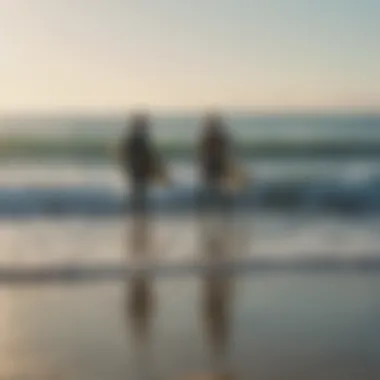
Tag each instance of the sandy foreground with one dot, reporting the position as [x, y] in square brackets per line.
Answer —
[264, 327]
[256, 326]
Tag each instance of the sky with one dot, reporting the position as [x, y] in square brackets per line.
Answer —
[103, 55]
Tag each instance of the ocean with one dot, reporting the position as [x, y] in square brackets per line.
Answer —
[313, 196]
[295, 162]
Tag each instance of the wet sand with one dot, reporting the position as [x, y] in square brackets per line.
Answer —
[253, 326]
[299, 326]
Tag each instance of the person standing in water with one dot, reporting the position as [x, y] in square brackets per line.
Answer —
[214, 155]
[141, 168]
[219, 173]
[140, 161]
[214, 152]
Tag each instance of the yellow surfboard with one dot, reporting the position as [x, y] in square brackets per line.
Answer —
[161, 176]
[236, 177]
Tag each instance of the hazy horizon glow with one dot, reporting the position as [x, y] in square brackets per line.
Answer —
[170, 54]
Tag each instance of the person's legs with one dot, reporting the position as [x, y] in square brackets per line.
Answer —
[140, 233]
[139, 198]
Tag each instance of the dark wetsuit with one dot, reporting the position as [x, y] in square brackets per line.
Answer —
[138, 162]
[214, 160]
[138, 157]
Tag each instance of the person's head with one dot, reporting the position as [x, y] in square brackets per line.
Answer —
[139, 124]
[213, 124]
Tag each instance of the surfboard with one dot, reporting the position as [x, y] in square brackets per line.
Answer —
[160, 176]
[237, 178]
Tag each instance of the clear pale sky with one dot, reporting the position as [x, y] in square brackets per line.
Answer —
[189, 54]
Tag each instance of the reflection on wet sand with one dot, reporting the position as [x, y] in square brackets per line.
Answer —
[216, 314]
[217, 298]
[140, 306]
[139, 296]
[140, 311]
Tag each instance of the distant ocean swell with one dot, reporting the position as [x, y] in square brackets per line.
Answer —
[106, 150]
[325, 196]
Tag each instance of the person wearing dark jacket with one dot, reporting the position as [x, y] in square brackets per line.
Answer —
[214, 155]
[137, 151]
[214, 151]
[139, 160]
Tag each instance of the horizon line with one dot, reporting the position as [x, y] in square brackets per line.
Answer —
[189, 111]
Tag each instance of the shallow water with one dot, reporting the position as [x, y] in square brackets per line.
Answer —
[73, 190]
[271, 326]
[261, 325]
[78, 241]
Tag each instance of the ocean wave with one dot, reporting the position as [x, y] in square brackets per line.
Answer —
[105, 150]
[369, 263]
[322, 196]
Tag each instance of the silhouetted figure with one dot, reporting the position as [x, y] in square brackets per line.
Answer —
[141, 168]
[138, 154]
[214, 151]
[214, 154]
[139, 160]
